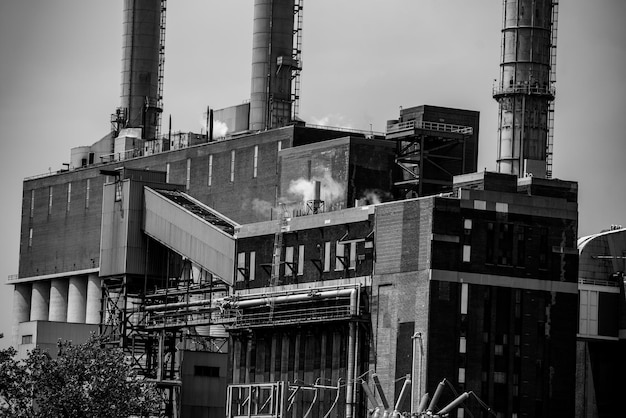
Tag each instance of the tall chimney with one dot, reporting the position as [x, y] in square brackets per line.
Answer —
[524, 91]
[141, 53]
[272, 64]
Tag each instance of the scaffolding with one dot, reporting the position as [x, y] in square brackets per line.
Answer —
[425, 154]
[553, 39]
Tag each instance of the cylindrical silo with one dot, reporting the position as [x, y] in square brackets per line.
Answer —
[524, 91]
[21, 308]
[140, 64]
[272, 64]
[94, 299]
[58, 299]
[76, 299]
[40, 299]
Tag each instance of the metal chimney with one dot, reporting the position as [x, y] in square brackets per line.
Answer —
[525, 90]
[142, 56]
[273, 63]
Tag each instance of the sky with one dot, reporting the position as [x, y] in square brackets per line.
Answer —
[60, 64]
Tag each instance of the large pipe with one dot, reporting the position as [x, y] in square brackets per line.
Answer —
[350, 371]
[298, 297]
[140, 64]
[272, 44]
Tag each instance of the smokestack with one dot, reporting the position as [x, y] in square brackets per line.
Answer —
[524, 91]
[141, 55]
[272, 64]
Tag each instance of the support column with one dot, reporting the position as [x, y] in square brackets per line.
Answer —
[76, 299]
[94, 299]
[21, 308]
[40, 300]
[58, 300]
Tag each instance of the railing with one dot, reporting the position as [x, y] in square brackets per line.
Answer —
[433, 126]
[524, 89]
[245, 320]
[599, 282]
[349, 130]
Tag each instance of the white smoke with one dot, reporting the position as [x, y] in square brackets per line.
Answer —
[262, 207]
[304, 190]
[332, 120]
[220, 129]
[374, 197]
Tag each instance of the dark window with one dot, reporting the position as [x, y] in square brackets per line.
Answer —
[207, 371]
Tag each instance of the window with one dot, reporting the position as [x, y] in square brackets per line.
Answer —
[241, 266]
[300, 260]
[462, 345]
[210, 180]
[232, 166]
[255, 161]
[188, 177]
[588, 312]
[464, 291]
[50, 200]
[167, 172]
[499, 377]
[467, 250]
[32, 203]
[327, 256]
[340, 260]
[69, 195]
[27, 339]
[288, 261]
[206, 371]
[467, 224]
[352, 256]
[280, 145]
[30, 237]
[87, 190]
[461, 374]
[252, 266]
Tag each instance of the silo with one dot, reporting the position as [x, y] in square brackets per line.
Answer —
[524, 91]
[21, 308]
[58, 299]
[40, 300]
[76, 299]
[272, 64]
[141, 43]
[94, 299]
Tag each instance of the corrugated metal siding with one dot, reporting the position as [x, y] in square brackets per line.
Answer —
[189, 235]
[389, 225]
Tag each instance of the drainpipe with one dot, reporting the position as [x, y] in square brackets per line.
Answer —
[350, 370]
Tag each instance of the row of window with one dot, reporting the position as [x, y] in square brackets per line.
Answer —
[232, 166]
[345, 258]
[68, 198]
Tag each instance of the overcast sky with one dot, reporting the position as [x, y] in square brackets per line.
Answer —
[60, 64]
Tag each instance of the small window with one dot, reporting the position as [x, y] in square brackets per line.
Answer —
[352, 265]
[467, 250]
[327, 256]
[340, 260]
[300, 260]
[255, 161]
[27, 339]
[206, 371]
[252, 267]
[462, 345]
[280, 145]
[464, 296]
[69, 195]
[461, 374]
[188, 177]
[467, 224]
[288, 261]
[210, 180]
[32, 203]
[167, 172]
[499, 377]
[30, 237]
[232, 166]
[241, 266]
[87, 191]
[50, 200]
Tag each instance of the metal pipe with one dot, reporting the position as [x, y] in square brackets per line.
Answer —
[422, 406]
[454, 403]
[433, 402]
[407, 383]
[350, 371]
[352, 293]
[379, 388]
[368, 392]
[177, 305]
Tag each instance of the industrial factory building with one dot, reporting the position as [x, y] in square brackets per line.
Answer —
[285, 270]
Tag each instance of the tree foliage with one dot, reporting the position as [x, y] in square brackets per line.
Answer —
[84, 381]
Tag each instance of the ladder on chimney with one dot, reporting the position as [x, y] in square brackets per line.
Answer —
[553, 37]
[297, 56]
[161, 72]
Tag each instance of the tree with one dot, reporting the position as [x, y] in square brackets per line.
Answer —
[84, 381]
